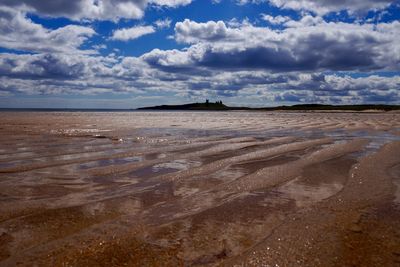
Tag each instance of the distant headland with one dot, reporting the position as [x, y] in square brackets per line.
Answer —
[193, 106]
[219, 106]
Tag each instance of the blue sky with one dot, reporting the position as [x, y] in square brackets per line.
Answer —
[133, 53]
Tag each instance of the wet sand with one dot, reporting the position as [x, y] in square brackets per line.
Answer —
[199, 189]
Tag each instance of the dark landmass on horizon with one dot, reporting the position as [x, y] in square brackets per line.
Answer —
[219, 106]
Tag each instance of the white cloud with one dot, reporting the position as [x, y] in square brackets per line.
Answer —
[171, 3]
[85, 75]
[163, 23]
[190, 32]
[309, 44]
[326, 6]
[99, 47]
[20, 33]
[132, 33]
[277, 20]
[322, 7]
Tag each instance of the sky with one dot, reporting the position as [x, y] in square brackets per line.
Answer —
[122, 54]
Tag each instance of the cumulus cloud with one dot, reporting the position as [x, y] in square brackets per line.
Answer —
[163, 23]
[340, 89]
[132, 33]
[322, 7]
[310, 44]
[72, 74]
[275, 20]
[85, 74]
[55, 66]
[170, 3]
[191, 32]
[90, 9]
[20, 33]
[326, 6]
[260, 87]
[241, 60]
[45, 66]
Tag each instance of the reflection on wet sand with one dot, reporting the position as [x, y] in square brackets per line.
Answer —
[187, 189]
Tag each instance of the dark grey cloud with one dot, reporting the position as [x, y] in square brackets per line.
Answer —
[333, 57]
[42, 66]
[279, 59]
[54, 68]
[53, 8]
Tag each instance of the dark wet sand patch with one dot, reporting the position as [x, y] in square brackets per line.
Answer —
[150, 172]
[41, 227]
[46, 191]
[373, 239]
[108, 162]
[232, 153]
[192, 149]
[161, 193]
[255, 165]
[127, 250]
[330, 171]
[223, 231]
[395, 171]
[152, 156]
[318, 181]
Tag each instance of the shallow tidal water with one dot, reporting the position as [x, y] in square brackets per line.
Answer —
[199, 188]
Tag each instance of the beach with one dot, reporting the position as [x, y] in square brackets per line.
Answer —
[200, 188]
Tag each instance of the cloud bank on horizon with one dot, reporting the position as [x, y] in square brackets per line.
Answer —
[132, 53]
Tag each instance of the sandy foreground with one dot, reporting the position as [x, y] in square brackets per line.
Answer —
[199, 188]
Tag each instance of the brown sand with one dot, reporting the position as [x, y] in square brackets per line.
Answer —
[199, 188]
